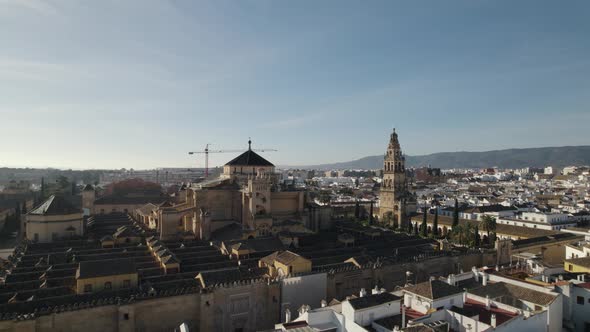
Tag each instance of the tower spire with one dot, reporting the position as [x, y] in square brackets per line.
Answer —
[249, 143]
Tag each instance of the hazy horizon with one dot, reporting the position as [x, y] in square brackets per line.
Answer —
[269, 157]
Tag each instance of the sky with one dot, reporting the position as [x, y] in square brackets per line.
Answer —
[138, 84]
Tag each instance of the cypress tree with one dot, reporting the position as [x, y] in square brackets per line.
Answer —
[456, 214]
[410, 227]
[416, 229]
[425, 223]
[24, 209]
[371, 214]
[477, 238]
[357, 210]
[435, 224]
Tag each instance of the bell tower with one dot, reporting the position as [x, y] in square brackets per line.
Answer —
[394, 186]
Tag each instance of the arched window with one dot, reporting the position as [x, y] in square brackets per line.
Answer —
[108, 285]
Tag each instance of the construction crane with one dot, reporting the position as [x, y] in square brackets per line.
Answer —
[207, 151]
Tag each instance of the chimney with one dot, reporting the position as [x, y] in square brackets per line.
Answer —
[527, 313]
[396, 329]
[450, 280]
[375, 290]
[403, 316]
[362, 293]
[323, 303]
[475, 274]
[302, 310]
[493, 320]
[484, 279]
[287, 315]
[488, 303]
[464, 295]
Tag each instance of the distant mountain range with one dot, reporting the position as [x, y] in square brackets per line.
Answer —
[511, 158]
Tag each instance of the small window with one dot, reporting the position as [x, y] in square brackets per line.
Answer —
[127, 283]
[108, 285]
[580, 300]
[87, 288]
[570, 267]
[126, 316]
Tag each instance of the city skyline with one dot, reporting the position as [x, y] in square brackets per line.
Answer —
[113, 85]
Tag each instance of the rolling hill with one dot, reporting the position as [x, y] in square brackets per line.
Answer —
[511, 158]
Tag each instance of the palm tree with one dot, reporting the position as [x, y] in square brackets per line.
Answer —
[463, 234]
[488, 224]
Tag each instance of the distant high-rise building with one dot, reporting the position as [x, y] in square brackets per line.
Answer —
[394, 196]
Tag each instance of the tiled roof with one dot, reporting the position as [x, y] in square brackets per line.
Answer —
[55, 205]
[232, 274]
[433, 289]
[582, 261]
[285, 257]
[372, 300]
[92, 269]
[257, 245]
[249, 158]
[229, 232]
[491, 208]
[502, 289]
[124, 231]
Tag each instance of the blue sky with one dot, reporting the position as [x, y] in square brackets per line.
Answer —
[111, 84]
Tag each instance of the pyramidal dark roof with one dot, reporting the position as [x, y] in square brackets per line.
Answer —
[249, 158]
[55, 205]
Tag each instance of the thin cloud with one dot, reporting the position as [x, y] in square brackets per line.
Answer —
[38, 6]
